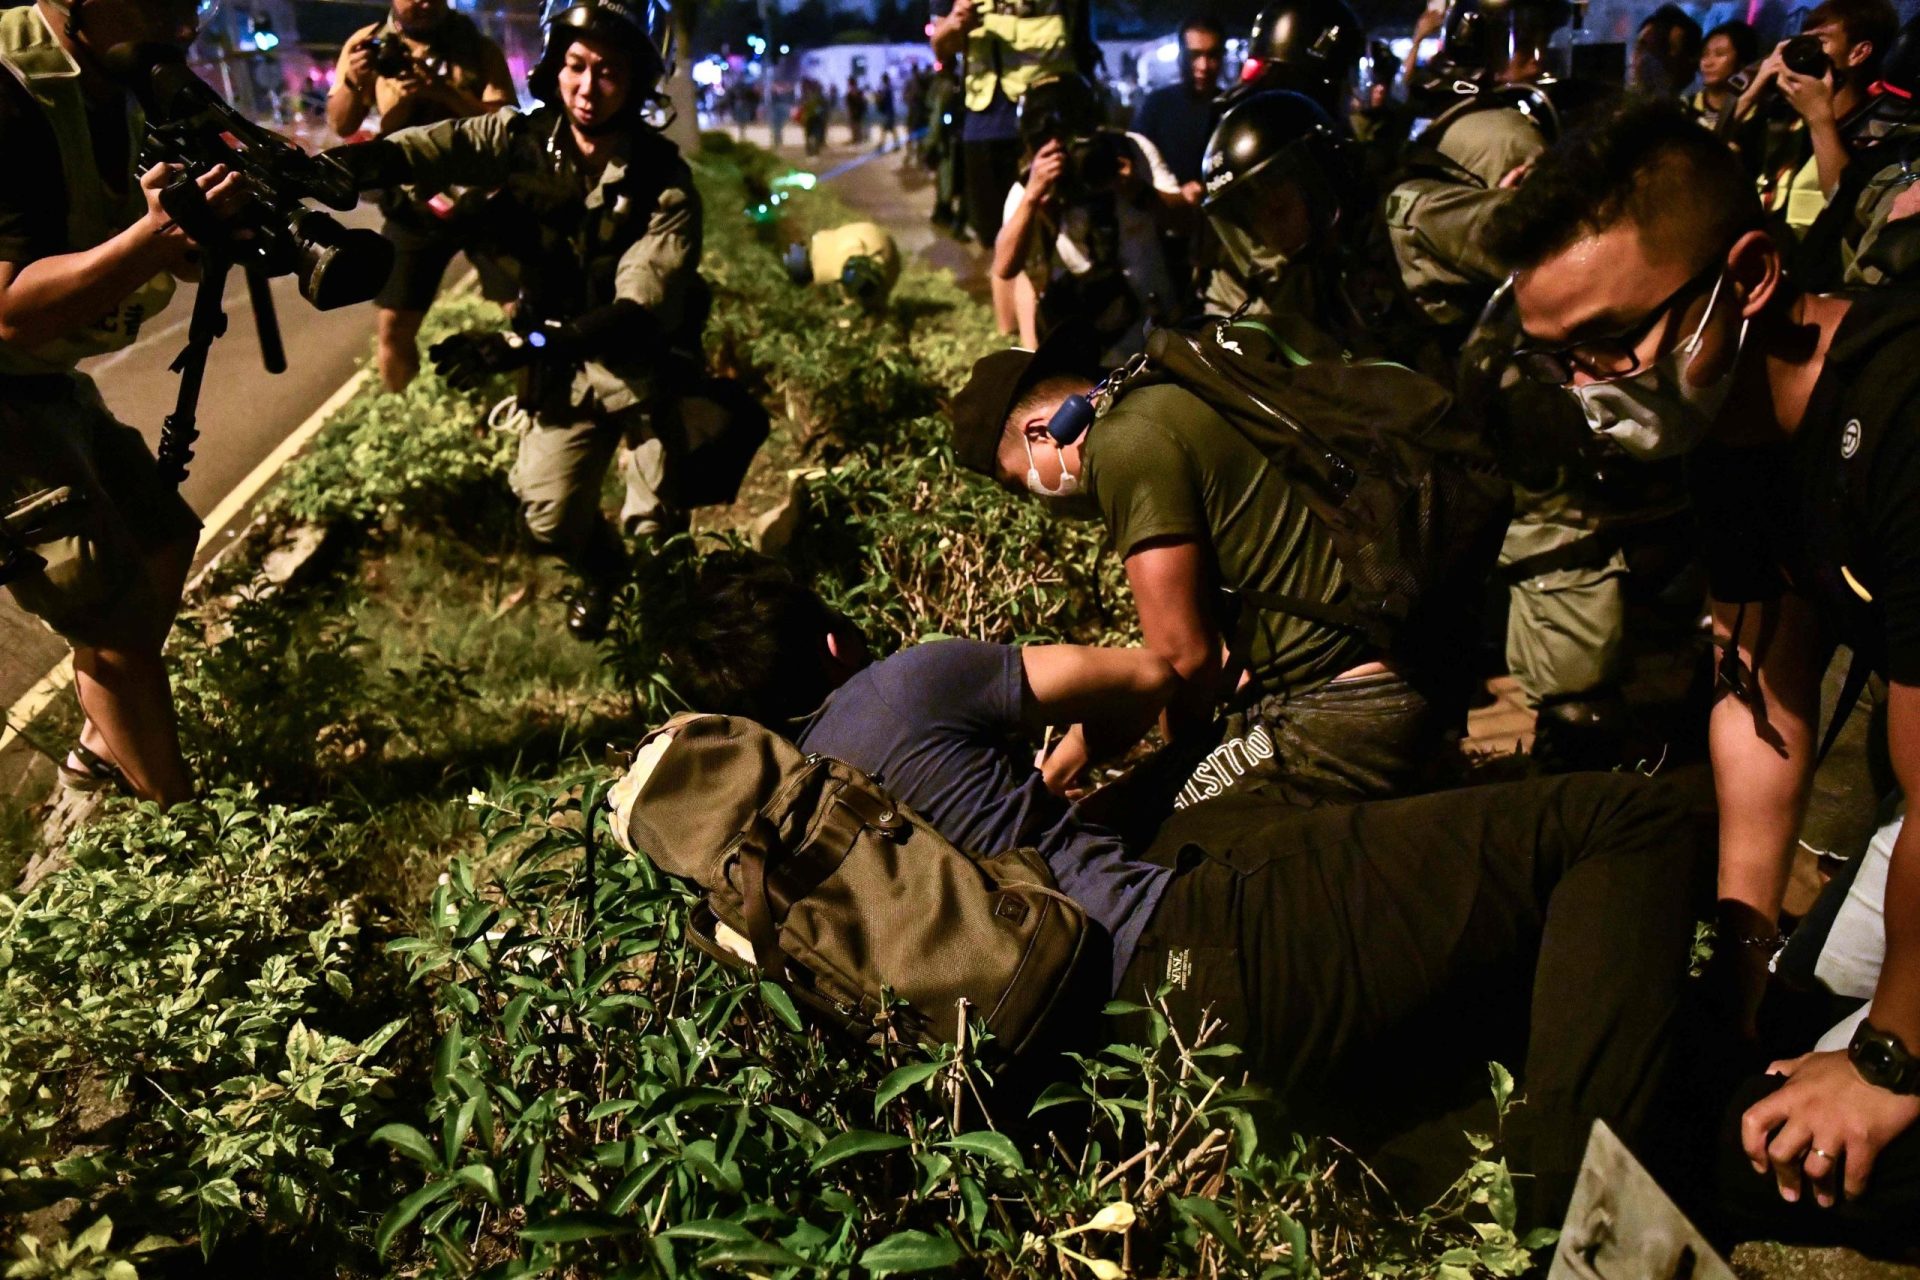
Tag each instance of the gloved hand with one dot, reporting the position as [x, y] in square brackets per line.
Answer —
[467, 360]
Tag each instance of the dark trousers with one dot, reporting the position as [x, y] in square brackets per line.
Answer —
[1371, 960]
[990, 171]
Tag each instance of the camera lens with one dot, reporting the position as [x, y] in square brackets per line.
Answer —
[338, 266]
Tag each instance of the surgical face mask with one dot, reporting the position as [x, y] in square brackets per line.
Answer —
[1069, 482]
[1656, 412]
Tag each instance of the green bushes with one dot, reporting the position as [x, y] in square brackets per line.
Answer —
[606, 1101]
[193, 1030]
[203, 1047]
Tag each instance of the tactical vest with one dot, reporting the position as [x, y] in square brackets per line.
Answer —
[31, 53]
[1016, 43]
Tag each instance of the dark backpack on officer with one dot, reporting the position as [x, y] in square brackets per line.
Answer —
[1402, 483]
[818, 878]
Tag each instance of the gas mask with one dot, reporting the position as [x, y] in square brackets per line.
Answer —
[1656, 412]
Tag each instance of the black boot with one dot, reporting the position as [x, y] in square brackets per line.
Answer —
[1580, 734]
[602, 566]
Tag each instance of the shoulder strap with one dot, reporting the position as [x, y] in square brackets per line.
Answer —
[1858, 669]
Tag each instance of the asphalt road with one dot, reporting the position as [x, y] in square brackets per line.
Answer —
[244, 412]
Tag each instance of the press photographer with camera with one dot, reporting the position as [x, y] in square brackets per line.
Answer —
[610, 304]
[1822, 75]
[1086, 219]
[97, 543]
[420, 64]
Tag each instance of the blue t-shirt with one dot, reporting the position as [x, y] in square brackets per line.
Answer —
[940, 726]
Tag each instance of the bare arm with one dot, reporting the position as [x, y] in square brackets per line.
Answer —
[1109, 697]
[52, 297]
[1171, 580]
[1896, 1000]
[950, 33]
[352, 94]
[1011, 246]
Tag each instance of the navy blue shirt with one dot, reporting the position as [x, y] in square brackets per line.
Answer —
[940, 725]
[1179, 122]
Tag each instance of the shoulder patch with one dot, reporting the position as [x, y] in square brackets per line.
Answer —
[1401, 203]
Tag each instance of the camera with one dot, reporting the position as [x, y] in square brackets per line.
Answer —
[391, 56]
[275, 232]
[1806, 56]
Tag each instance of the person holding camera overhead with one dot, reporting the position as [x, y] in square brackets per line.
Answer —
[1823, 74]
[92, 540]
[607, 222]
[419, 64]
[1087, 218]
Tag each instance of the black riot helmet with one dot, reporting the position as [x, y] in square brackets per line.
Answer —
[1278, 177]
[1302, 46]
[641, 27]
[1486, 43]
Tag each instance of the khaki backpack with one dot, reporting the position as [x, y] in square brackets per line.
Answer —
[819, 879]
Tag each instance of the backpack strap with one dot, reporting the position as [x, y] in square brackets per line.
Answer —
[1858, 669]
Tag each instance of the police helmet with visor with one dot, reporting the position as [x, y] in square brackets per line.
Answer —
[1303, 46]
[1275, 168]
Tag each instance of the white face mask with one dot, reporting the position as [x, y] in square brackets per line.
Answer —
[1069, 482]
[1656, 413]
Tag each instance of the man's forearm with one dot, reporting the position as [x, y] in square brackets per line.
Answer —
[1010, 246]
[1762, 792]
[1896, 1000]
[346, 110]
[1830, 156]
[53, 297]
[948, 38]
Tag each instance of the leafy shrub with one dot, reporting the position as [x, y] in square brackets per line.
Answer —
[608, 1101]
[188, 1034]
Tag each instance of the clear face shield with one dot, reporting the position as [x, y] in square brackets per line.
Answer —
[1273, 215]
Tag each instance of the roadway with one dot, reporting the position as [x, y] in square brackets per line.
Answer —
[244, 413]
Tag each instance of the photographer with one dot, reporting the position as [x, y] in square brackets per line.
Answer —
[1823, 85]
[97, 545]
[610, 296]
[420, 64]
[1088, 218]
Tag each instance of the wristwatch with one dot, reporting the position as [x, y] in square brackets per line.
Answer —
[1881, 1059]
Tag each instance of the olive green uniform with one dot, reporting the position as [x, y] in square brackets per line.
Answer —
[1161, 464]
[633, 233]
[77, 488]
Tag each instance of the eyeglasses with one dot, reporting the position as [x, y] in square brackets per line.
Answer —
[1613, 355]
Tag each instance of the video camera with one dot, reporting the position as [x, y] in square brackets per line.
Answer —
[274, 232]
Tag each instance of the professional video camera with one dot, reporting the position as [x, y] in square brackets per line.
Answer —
[274, 232]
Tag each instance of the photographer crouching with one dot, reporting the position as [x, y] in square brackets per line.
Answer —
[93, 540]
[421, 64]
[610, 296]
[1087, 218]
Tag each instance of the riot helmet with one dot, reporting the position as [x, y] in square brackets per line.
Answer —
[1485, 43]
[1278, 176]
[1302, 46]
[643, 28]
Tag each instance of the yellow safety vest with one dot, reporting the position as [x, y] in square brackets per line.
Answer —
[31, 53]
[1014, 45]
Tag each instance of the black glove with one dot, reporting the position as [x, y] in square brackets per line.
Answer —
[467, 360]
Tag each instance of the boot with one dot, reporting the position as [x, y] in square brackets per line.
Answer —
[1581, 734]
[602, 566]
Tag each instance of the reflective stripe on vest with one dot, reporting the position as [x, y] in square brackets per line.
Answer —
[31, 53]
[1009, 52]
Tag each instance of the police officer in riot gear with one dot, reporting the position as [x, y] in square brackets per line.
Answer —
[1302, 46]
[611, 301]
[100, 544]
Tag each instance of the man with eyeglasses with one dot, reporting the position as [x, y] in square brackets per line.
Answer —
[1645, 284]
